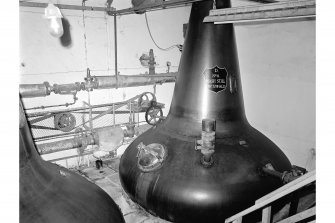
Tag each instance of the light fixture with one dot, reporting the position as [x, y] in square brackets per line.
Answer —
[53, 14]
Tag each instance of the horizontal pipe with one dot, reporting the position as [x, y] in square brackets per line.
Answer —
[37, 114]
[66, 144]
[272, 172]
[34, 90]
[116, 104]
[68, 88]
[69, 134]
[111, 10]
[107, 82]
[156, 6]
[98, 82]
[63, 6]
[69, 157]
[98, 138]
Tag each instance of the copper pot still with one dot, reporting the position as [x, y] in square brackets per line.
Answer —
[53, 194]
[201, 164]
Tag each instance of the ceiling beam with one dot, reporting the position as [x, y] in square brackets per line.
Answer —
[266, 12]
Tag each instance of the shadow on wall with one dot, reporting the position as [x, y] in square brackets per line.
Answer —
[66, 39]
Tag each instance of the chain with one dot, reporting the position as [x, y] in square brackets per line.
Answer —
[214, 4]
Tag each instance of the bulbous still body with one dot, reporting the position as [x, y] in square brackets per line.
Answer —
[53, 194]
[162, 170]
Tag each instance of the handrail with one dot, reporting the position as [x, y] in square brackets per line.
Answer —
[286, 186]
[275, 195]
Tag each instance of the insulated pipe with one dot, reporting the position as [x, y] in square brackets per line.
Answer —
[106, 82]
[34, 90]
[98, 82]
[104, 137]
[66, 144]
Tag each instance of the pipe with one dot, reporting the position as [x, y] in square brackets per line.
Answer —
[66, 144]
[71, 88]
[97, 82]
[69, 157]
[34, 90]
[272, 172]
[116, 106]
[106, 82]
[111, 11]
[98, 138]
[115, 48]
[152, 62]
[63, 6]
[286, 176]
[156, 6]
[208, 141]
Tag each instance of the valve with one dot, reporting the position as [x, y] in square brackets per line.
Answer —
[65, 122]
[207, 143]
[154, 114]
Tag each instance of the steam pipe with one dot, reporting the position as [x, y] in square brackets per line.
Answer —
[35, 90]
[82, 140]
[106, 82]
[97, 82]
[66, 144]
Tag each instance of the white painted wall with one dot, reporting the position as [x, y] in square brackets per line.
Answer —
[277, 63]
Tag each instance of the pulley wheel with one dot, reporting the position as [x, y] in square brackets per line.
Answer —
[65, 122]
[145, 99]
[154, 114]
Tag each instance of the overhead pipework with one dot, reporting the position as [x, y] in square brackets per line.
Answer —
[93, 83]
[111, 11]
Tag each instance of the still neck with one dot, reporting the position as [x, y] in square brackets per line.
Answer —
[199, 92]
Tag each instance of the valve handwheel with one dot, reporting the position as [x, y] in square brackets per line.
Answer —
[65, 122]
[154, 114]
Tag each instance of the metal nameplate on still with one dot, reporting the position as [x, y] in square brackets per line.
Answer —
[216, 78]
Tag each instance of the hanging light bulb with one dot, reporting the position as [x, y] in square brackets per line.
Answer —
[53, 14]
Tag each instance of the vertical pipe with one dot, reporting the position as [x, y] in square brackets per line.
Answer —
[208, 141]
[115, 50]
[114, 115]
[90, 111]
[129, 111]
[134, 119]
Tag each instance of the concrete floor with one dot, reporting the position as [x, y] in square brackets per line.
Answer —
[107, 178]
